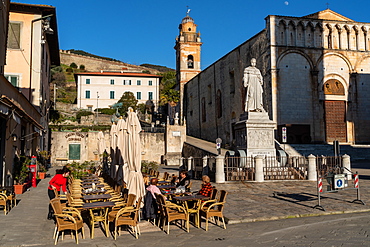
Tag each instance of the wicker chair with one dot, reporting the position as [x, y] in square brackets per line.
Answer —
[4, 201]
[66, 219]
[214, 210]
[128, 215]
[172, 212]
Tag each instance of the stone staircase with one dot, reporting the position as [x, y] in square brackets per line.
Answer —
[356, 152]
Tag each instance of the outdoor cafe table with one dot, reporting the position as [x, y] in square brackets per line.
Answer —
[191, 198]
[103, 197]
[101, 210]
[195, 208]
[90, 182]
[172, 193]
[166, 187]
[164, 182]
[90, 179]
[87, 186]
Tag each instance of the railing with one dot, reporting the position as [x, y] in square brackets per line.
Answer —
[328, 164]
[239, 168]
[295, 168]
[243, 168]
[153, 129]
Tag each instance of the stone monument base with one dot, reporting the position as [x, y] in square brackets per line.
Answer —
[255, 134]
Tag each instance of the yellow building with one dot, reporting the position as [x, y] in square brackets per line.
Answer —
[32, 47]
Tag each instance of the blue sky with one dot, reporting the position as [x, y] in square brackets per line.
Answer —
[144, 31]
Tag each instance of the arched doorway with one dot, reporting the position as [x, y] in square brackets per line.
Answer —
[335, 111]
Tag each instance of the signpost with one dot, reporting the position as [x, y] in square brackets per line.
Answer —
[218, 145]
[283, 138]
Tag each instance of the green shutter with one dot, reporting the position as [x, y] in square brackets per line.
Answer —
[14, 81]
[74, 151]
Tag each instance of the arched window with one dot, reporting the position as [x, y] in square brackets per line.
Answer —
[333, 87]
[190, 62]
[219, 103]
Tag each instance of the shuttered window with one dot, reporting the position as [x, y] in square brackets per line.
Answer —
[14, 35]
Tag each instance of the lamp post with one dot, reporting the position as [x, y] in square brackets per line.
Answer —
[55, 96]
[31, 51]
[97, 107]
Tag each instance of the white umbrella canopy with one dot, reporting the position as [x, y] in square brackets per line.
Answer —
[121, 148]
[135, 183]
[121, 126]
[113, 147]
[101, 142]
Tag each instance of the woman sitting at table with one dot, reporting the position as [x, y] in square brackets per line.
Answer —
[152, 188]
[150, 209]
[207, 188]
[183, 180]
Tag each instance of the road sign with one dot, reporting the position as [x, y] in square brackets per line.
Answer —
[283, 131]
[339, 181]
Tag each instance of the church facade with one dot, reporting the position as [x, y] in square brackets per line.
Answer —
[316, 82]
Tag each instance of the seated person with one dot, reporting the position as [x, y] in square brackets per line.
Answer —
[152, 188]
[207, 188]
[183, 180]
[150, 204]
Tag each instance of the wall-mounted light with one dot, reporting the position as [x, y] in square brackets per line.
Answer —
[14, 136]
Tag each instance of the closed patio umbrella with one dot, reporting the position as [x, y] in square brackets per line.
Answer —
[121, 148]
[135, 183]
[101, 142]
[113, 147]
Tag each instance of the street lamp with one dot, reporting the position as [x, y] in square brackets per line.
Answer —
[47, 29]
[97, 107]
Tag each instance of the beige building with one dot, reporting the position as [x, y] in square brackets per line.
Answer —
[316, 75]
[32, 49]
[23, 119]
[103, 89]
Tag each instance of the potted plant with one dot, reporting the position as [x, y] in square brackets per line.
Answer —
[42, 171]
[21, 174]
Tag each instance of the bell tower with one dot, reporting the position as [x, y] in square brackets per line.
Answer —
[188, 45]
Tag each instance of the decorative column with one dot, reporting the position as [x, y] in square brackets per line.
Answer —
[205, 166]
[220, 169]
[259, 177]
[346, 161]
[312, 172]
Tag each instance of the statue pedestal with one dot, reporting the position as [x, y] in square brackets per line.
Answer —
[255, 134]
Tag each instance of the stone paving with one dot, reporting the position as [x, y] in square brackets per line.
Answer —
[26, 224]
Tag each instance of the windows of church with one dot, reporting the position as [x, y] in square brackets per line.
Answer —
[219, 104]
[209, 94]
[190, 62]
[333, 87]
[232, 82]
[292, 31]
[204, 114]
[282, 27]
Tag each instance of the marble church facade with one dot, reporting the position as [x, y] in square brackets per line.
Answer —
[316, 71]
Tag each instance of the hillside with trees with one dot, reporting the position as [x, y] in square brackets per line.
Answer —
[66, 92]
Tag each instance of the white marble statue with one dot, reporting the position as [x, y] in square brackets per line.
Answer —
[253, 81]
